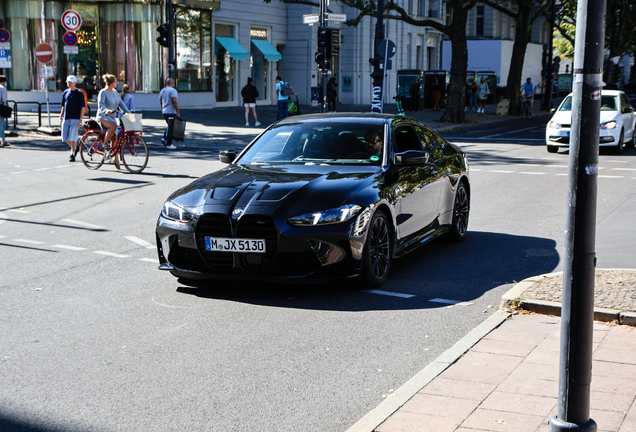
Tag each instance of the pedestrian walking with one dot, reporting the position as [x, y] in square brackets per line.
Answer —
[3, 120]
[484, 91]
[108, 101]
[437, 93]
[332, 92]
[473, 95]
[73, 108]
[414, 91]
[283, 90]
[169, 108]
[127, 97]
[250, 93]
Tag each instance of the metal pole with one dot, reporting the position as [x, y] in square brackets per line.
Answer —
[171, 62]
[549, 79]
[378, 73]
[323, 69]
[577, 315]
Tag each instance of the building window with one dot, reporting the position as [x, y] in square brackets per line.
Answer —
[421, 7]
[434, 7]
[410, 6]
[192, 33]
[479, 24]
[258, 63]
[224, 66]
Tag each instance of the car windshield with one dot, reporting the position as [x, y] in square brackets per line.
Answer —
[318, 143]
[608, 103]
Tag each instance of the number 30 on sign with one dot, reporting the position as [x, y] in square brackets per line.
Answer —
[71, 20]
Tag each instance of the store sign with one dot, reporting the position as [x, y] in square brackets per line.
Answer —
[258, 34]
[71, 20]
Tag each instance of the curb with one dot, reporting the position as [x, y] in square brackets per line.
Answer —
[382, 412]
[514, 298]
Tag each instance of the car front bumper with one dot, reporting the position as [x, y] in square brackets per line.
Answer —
[561, 137]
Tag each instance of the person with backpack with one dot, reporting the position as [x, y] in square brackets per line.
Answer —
[283, 90]
[250, 94]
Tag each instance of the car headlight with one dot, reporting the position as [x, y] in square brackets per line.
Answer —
[173, 212]
[554, 125]
[608, 125]
[325, 217]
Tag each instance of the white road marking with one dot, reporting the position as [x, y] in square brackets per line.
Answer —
[42, 169]
[387, 293]
[111, 254]
[623, 169]
[616, 161]
[36, 242]
[451, 302]
[476, 169]
[562, 174]
[521, 164]
[84, 224]
[140, 242]
[19, 211]
[150, 260]
[608, 176]
[533, 173]
[74, 248]
[1, 236]
[19, 172]
[63, 166]
[499, 171]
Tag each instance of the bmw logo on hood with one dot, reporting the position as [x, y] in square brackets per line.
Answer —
[237, 211]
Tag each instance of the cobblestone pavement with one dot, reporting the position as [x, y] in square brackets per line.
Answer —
[613, 289]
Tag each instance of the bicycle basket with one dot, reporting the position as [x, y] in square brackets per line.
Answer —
[132, 122]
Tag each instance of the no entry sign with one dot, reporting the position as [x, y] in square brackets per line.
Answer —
[70, 39]
[44, 53]
[71, 20]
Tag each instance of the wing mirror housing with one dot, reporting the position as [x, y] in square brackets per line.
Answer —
[412, 157]
[228, 156]
[628, 110]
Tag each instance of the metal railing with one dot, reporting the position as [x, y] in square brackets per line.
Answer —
[16, 105]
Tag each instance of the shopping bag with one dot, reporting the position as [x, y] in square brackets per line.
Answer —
[5, 111]
[176, 129]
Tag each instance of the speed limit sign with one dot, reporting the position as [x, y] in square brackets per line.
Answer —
[71, 20]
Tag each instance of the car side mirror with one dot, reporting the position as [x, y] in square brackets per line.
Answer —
[412, 157]
[228, 156]
[553, 110]
[628, 110]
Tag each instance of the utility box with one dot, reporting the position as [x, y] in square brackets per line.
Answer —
[503, 107]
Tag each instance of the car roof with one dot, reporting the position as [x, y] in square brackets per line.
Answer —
[358, 117]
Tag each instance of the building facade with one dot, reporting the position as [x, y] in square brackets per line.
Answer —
[218, 45]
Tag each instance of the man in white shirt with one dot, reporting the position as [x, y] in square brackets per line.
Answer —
[169, 108]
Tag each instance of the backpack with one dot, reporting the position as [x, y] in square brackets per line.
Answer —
[285, 89]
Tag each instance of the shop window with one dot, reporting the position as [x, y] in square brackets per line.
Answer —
[480, 21]
[192, 41]
[224, 66]
[143, 53]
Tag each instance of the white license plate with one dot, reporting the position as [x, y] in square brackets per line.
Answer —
[220, 244]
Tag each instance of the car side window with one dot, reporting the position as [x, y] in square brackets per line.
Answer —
[406, 139]
[428, 138]
[624, 103]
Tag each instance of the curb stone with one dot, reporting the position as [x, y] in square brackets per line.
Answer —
[514, 298]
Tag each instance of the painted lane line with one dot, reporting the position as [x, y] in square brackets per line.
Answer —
[499, 171]
[608, 176]
[35, 242]
[616, 161]
[74, 248]
[150, 260]
[387, 293]
[623, 169]
[140, 242]
[476, 169]
[63, 166]
[84, 224]
[451, 302]
[19, 211]
[562, 174]
[111, 254]
[20, 172]
[522, 164]
[557, 166]
[41, 169]
[1, 236]
[532, 173]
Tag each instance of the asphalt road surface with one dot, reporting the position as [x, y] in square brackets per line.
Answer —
[96, 338]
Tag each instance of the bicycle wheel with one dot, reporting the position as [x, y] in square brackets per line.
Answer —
[134, 153]
[91, 148]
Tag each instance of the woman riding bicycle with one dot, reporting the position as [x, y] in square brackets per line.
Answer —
[107, 103]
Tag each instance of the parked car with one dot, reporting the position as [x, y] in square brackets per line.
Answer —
[617, 122]
[334, 196]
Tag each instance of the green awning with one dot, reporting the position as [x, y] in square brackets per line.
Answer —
[237, 52]
[267, 49]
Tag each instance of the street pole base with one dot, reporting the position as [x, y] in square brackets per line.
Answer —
[557, 425]
[49, 130]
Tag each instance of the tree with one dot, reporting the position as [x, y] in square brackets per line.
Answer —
[563, 46]
[528, 11]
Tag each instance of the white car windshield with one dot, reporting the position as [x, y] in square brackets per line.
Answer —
[318, 143]
[608, 103]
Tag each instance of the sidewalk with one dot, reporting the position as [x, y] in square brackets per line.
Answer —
[504, 375]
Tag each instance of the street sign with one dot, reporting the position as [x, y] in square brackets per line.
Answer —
[71, 20]
[70, 39]
[71, 49]
[382, 48]
[336, 17]
[311, 19]
[4, 35]
[44, 53]
[47, 72]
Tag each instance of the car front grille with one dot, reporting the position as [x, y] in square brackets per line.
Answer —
[187, 259]
[214, 225]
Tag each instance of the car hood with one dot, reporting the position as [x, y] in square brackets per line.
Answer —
[302, 187]
[565, 117]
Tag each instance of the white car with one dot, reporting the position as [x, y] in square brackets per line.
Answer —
[617, 123]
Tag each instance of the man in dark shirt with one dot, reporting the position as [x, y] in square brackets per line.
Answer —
[73, 108]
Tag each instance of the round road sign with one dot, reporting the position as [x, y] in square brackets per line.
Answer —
[44, 53]
[70, 39]
[71, 20]
[4, 35]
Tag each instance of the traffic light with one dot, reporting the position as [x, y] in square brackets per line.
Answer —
[556, 64]
[378, 66]
[324, 41]
[164, 35]
[320, 57]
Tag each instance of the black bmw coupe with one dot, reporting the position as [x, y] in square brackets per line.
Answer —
[331, 196]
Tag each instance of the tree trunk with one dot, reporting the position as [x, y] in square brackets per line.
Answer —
[522, 36]
[459, 63]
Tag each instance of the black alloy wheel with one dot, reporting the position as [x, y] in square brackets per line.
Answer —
[377, 251]
[461, 210]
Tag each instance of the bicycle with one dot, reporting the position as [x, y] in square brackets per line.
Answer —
[525, 108]
[129, 144]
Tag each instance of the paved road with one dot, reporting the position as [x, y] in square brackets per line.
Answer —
[97, 339]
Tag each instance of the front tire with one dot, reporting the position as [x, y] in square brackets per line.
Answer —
[134, 154]
[461, 211]
[91, 148]
[377, 251]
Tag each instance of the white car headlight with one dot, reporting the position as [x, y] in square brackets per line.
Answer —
[173, 212]
[609, 125]
[554, 125]
[325, 217]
